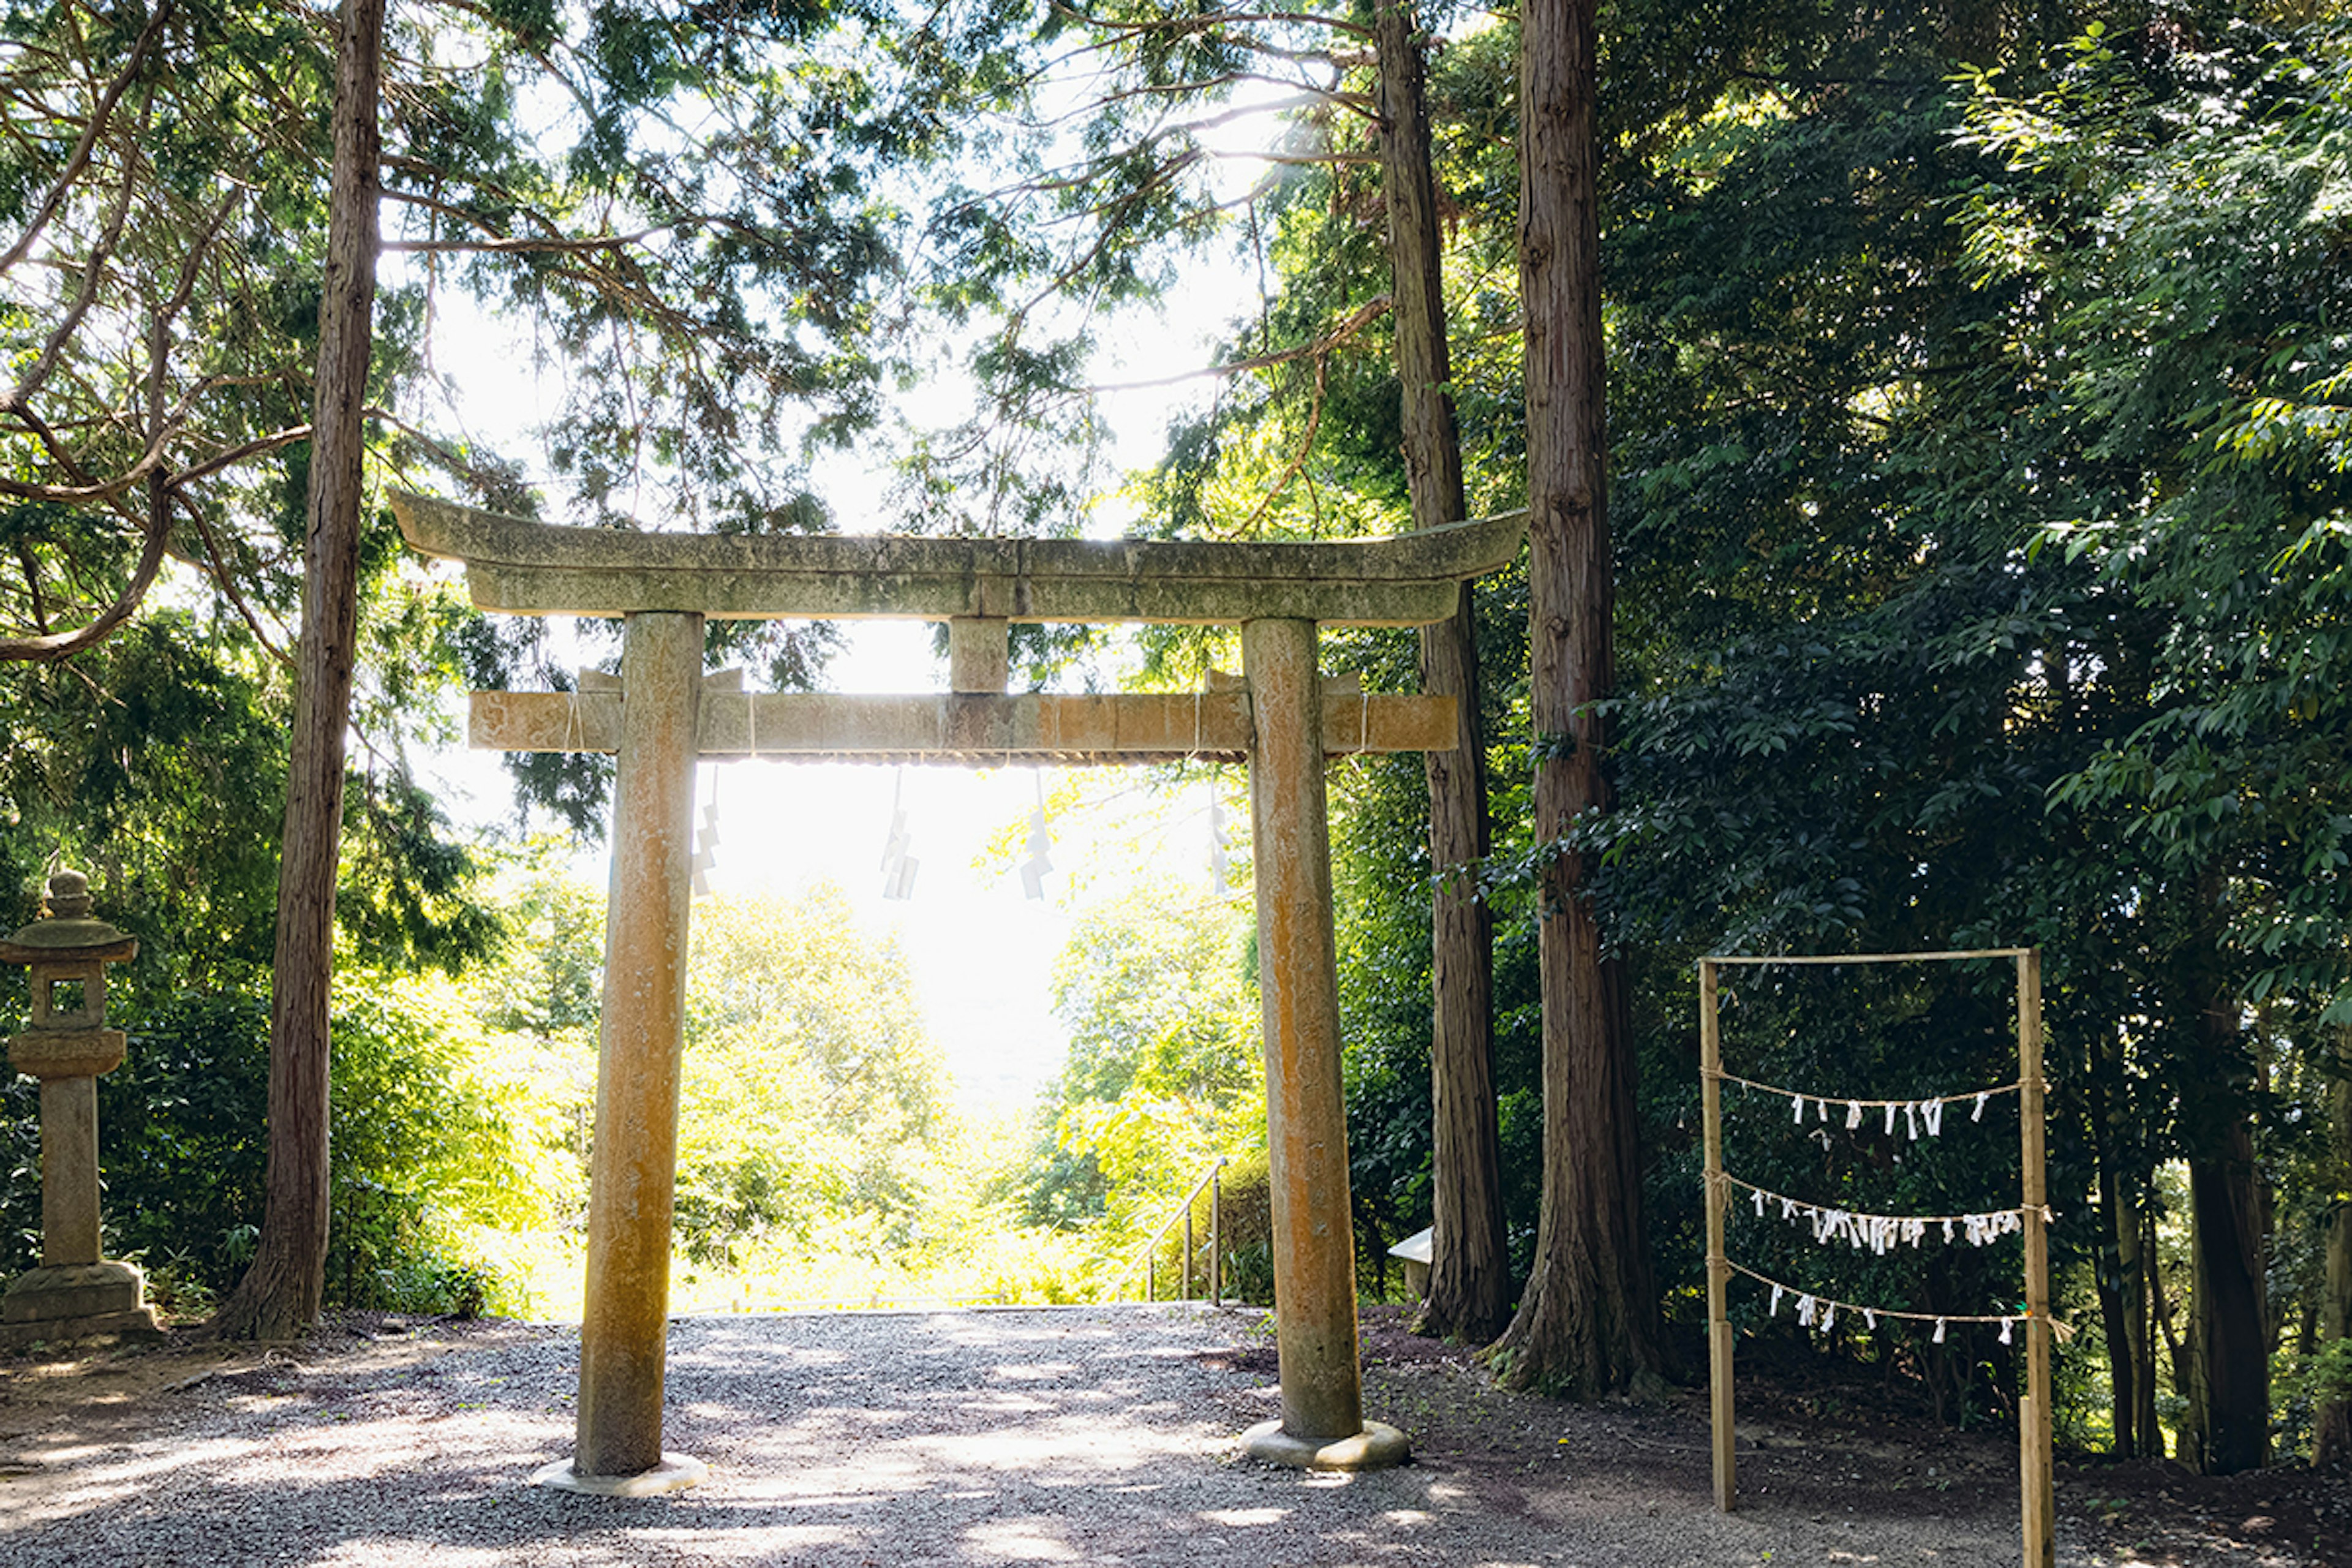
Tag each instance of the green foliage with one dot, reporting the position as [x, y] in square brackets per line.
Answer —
[421, 1149]
[1978, 472]
[2181, 217]
[810, 1091]
[1162, 1075]
[405, 1062]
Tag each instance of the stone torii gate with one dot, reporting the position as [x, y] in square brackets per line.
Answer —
[665, 713]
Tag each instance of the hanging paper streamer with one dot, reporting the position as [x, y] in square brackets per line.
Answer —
[1217, 839]
[1821, 1312]
[897, 867]
[1878, 1233]
[706, 841]
[1922, 1117]
[1033, 869]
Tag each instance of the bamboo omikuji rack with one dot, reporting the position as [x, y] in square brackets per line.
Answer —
[2033, 1424]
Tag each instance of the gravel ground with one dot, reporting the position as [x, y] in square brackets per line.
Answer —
[1094, 1434]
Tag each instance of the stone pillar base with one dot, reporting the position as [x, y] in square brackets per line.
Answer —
[1376, 1447]
[78, 1301]
[74, 1290]
[674, 1473]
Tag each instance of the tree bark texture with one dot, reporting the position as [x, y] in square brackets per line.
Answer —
[281, 1292]
[2122, 1370]
[1587, 1322]
[2123, 1270]
[1469, 1274]
[2331, 1424]
[2227, 1428]
[2229, 1350]
[2131, 1348]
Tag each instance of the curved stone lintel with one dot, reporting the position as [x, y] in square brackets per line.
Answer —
[674, 1473]
[531, 568]
[1376, 1447]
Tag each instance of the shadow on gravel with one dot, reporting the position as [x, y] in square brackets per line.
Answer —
[1097, 1436]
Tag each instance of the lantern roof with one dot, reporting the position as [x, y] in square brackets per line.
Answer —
[65, 930]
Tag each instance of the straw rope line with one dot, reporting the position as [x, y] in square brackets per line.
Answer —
[1830, 1307]
[1802, 1207]
[1847, 1100]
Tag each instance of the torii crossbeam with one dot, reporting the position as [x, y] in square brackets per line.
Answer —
[663, 714]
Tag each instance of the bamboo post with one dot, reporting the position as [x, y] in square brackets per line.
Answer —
[1150, 1272]
[1718, 1268]
[2034, 1417]
[1184, 1280]
[1216, 1245]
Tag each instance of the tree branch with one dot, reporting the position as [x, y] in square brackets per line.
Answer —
[93, 273]
[1298, 459]
[1356, 320]
[222, 580]
[1216, 20]
[79, 159]
[55, 646]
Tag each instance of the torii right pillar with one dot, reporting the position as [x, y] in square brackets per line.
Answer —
[1322, 1426]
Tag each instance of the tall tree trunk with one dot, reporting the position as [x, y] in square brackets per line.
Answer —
[2132, 1264]
[2123, 1282]
[2228, 1427]
[2229, 1350]
[2115, 1314]
[280, 1293]
[2332, 1427]
[1469, 1271]
[1587, 1320]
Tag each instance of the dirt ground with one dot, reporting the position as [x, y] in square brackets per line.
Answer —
[1827, 1446]
[1838, 1459]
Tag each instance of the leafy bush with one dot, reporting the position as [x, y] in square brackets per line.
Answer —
[419, 1150]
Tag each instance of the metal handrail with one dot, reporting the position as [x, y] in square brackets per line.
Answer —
[1148, 1268]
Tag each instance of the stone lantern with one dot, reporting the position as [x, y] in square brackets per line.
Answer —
[74, 1293]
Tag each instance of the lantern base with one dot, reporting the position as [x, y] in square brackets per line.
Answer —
[66, 1053]
[80, 1301]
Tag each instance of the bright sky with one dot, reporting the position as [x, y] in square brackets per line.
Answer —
[982, 954]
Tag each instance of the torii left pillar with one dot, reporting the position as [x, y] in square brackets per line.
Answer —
[633, 1170]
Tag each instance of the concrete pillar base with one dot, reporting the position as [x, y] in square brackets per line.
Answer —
[1376, 1447]
[674, 1473]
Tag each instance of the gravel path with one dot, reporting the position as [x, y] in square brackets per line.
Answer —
[1096, 1435]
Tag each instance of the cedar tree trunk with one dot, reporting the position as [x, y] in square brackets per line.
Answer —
[2332, 1427]
[1469, 1273]
[2227, 1426]
[1588, 1322]
[2123, 1283]
[280, 1294]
